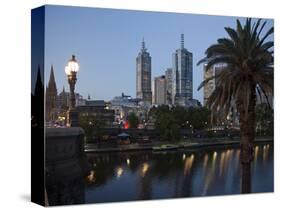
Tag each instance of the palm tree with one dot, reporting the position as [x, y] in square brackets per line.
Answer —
[247, 58]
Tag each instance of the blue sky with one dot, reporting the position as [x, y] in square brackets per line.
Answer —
[106, 43]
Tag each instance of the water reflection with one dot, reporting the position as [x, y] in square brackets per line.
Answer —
[265, 153]
[206, 158]
[128, 161]
[188, 164]
[144, 169]
[119, 172]
[155, 175]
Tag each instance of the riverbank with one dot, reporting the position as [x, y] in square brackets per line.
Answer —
[164, 146]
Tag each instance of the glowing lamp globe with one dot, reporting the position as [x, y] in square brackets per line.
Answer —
[72, 66]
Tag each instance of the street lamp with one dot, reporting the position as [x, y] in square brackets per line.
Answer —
[71, 70]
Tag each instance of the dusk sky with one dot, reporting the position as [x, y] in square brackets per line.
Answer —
[106, 43]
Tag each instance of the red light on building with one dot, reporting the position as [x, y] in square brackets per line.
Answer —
[126, 125]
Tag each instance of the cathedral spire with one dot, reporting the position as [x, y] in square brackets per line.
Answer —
[39, 87]
[52, 82]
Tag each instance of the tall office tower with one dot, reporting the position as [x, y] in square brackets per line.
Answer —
[160, 90]
[211, 85]
[51, 97]
[218, 116]
[143, 61]
[169, 85]
[182, 75]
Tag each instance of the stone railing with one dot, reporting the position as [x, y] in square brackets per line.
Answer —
[65, 165]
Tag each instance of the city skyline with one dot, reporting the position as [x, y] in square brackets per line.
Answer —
[129, 111]
[106, 48]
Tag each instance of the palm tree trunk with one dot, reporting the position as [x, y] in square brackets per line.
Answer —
[246, 159]
[247, 131]
[246, 178]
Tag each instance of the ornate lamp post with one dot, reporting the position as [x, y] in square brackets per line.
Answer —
[71, 70]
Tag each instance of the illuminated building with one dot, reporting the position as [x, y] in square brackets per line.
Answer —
[182, 75]
[143, 84]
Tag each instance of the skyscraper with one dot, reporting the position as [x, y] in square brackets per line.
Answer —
[211, 85]
[182, 75]
[51, 97]
[143, 67]
[209, 88]
[169, 85]
[160, 90]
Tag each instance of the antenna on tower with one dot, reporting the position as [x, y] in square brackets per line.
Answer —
[143, 45]
[182, 40]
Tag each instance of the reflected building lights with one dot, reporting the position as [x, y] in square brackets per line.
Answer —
[214, 161]
[222, 163]
[215, 155]
[214, 170]
[128, 161]
[144, 170]
[188, 164]
[210, 174]
[228, 156]
[265, 153]
[205, 162]
[91, 177]
[119, 172]
[256, 153]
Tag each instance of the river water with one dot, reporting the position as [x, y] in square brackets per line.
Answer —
[144, 175]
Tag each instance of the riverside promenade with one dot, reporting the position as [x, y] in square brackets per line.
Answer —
[164, 146]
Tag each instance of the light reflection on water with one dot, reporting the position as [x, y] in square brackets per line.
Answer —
[188, 164]
[147, 175]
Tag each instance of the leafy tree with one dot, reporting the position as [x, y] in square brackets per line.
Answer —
[86, 123]
[198, 117]
[92, 127]
[167, 127]
[156, 111]
[180, 114]
[133, 120]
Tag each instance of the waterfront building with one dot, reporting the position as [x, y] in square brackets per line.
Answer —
[182, 75]
[169, 85]
[63, 100]
[125, 100]
[210, 86]
[160, 89]
[97, 110]
[193, 103]
[218, 117]
[123, 105]
[143, 76]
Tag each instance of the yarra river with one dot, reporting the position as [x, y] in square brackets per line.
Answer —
[145, 175]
